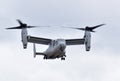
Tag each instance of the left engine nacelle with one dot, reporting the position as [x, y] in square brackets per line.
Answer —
[24, 37]
[87, 40]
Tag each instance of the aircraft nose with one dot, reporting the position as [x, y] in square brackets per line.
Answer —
[62, 47]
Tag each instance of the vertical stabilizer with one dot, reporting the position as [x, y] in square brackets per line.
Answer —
[34, 50]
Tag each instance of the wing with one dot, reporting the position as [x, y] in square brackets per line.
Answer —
[38, 40]
[74, 41]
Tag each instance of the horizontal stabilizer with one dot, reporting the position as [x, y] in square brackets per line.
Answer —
[36, 53]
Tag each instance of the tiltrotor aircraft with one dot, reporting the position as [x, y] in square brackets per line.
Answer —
[56, 47]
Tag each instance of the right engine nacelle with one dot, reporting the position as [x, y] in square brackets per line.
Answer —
[24, 37]
[87, 40]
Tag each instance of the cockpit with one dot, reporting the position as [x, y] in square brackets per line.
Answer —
[57, 42]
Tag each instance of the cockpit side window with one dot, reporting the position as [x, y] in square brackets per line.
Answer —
[53, 42]
[56, 42]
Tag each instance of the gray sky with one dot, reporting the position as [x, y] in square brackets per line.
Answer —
[102, 63]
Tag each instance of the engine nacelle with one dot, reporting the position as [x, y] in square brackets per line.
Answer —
[24, 37]
[87, 40]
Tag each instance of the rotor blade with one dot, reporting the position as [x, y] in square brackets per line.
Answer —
[20, 22]
[36, 26]
[83, 29]
[94, 27]
[14, 27]
[80, 28]
[19, 27]
[31, 26]
[43, 26]
[75, 28]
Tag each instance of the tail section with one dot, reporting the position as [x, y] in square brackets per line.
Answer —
[36, 53]
[34, 50]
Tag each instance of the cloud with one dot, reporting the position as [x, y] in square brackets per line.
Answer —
[20, 65]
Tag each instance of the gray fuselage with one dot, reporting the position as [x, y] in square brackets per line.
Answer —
[56, 49]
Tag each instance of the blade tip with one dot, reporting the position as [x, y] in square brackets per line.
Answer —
[103, 24]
